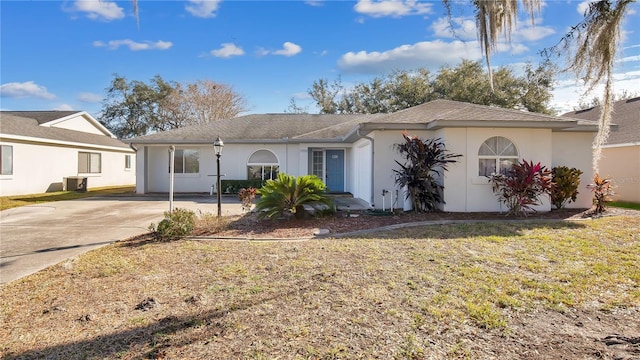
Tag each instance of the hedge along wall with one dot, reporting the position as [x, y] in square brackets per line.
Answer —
[234, 186]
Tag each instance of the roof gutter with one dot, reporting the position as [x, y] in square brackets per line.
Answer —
[233, 141]
[37, 140]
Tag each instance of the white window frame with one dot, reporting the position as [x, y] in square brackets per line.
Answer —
[263, 167]
[127, 162]
[499, 156]
[91, 158]
[180, 159]
[3, 152]
[319, 172]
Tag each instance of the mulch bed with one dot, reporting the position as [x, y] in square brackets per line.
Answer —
[249, 226]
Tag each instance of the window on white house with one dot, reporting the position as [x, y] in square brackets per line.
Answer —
[496, 155]
[317, 163]
[127, 162]
[262, 165]
[6, 160]
[89, 163]
[186, 161]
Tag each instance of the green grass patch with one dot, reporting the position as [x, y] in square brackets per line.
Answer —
[625, 205]
[8, 202]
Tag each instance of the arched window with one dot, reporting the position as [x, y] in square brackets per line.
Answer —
[496, 154]
[262, 165]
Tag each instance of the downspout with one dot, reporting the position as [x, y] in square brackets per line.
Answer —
[372, 160]
[286, 154]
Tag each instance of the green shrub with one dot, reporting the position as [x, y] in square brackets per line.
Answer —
[175, 225]
[288, 195]
[521, 188]
[566, 185]
[234, 186]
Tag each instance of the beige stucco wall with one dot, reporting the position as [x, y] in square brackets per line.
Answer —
[532, 144]
[233, 165]
[622, 165]
[573, 149]
[465, 191]
[361, 169]
[384, 164]
[39, 168]
[292, 159]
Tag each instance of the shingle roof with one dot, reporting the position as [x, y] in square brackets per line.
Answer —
[305, 127]
[19, 124]
[254, 127]
[448, 110]
[42, 117]
[626, 114]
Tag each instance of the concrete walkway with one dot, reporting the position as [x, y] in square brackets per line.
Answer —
[37, 236]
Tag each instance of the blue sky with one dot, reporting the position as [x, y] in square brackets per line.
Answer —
[63, 54]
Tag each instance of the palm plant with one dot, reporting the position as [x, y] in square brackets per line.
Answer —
[288, 195]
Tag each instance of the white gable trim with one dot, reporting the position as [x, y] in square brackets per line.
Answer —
[85, 115]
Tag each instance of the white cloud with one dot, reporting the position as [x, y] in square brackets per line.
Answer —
[463, 28]
[314, 2]
[262, 52]
[25, 90]
[135, 46]
[630, 58]
[513, 48]
[427, 54]
[288, 49]
[532, 33]
[584, 6]
[203, 8]
[568, 93]
[63, 107]
[99, 9]
[227, 50]
[301, 96]
[88, 97]
[394, 8]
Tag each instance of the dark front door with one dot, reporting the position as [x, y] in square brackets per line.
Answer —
[335, 170]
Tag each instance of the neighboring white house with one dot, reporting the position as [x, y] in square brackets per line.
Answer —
[356, 154]
[621, 155]
[40, 149]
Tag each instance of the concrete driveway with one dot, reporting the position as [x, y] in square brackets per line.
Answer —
[37, 236]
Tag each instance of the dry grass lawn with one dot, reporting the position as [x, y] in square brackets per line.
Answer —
[551, 290]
